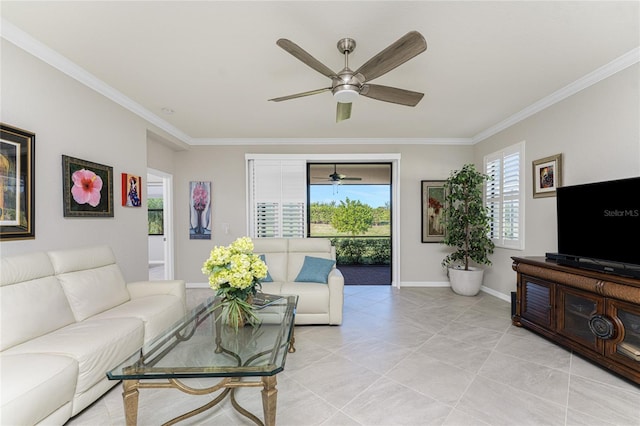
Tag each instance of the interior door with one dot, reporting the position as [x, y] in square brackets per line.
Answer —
[160, 208]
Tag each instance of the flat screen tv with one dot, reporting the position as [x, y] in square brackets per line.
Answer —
[599, 226]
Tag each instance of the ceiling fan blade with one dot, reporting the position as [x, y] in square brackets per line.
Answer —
[351, 178]
[399, 52]
[305, 57]
[343, 112]
[391, 94]
[300, 95]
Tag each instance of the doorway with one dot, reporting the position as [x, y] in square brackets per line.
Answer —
[160, 231]
[350, 203]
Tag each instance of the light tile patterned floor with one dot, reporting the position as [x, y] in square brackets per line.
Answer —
[414, 356]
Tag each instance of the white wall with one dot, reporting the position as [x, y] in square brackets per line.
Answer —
[70, 119]
[224, 167]
[598, 133]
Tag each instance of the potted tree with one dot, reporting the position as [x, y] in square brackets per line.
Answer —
[466, 229]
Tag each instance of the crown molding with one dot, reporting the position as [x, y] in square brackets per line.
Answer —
[332, 141]
[630, 58]
[14, 35]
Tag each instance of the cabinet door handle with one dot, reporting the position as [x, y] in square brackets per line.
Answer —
[602, 327]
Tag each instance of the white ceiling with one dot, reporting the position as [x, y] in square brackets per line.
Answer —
[216, 63]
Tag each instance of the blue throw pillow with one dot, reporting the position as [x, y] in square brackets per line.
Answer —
[315, 270]
[268, 278]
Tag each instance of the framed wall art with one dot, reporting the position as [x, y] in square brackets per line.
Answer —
[131, 190]
[547, 176]
[17, 183]
[87, 188]
[432, 211]
[199, 210]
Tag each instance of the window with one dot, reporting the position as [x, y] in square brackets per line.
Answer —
[156, 216]
[504, 196]
[278, 198]
[155, 207]
[357, 187]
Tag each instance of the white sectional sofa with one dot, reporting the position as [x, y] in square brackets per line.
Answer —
[319, 301]
[68, 317]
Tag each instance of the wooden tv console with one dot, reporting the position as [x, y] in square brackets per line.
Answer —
[595, 314]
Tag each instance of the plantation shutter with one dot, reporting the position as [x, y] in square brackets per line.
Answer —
[278, 198]
[493, 168]
[503, 197]
[511, 199]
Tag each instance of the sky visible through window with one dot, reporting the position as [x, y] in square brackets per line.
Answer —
[373, 195]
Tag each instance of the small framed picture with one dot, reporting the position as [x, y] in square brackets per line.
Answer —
[432, 211]
[17, 183]
[131, 190]
[200, 210]
[87, 188]
[547, 176]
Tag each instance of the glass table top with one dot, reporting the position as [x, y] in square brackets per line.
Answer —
[203, 345]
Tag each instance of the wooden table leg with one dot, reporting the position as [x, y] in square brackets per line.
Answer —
[269, 399]
[130, 398]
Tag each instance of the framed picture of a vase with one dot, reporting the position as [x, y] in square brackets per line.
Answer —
[17, 183]
[87, 188]
[432, 211]
[199, 210]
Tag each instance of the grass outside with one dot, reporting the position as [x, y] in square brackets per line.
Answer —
[326, 230]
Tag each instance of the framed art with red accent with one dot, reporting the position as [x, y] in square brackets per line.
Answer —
[131, 190]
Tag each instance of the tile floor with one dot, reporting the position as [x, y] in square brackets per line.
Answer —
[414, 356]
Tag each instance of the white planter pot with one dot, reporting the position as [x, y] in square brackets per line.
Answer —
[466, 283]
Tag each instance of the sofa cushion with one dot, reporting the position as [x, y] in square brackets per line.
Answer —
[275, 255]
[268, 278]
[94, 290]
[157, 312]
[90, 278]
[270, 245]
[299, 248]
[310, 245]
[97, 346]
[71, 260]
[32, 302]
[32, 309]
[35, 385]
[315, 270]
[313, 298]
[25, 267]
[272, 288]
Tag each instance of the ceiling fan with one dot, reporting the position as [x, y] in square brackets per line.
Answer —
[347, 85]
[337, 178]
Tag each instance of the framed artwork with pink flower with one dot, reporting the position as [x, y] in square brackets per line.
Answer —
[199, 210]
[87, 188]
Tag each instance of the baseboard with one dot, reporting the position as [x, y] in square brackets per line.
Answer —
[505, 297]
[425, 284]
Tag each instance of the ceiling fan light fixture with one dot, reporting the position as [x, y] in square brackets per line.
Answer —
[346, 94]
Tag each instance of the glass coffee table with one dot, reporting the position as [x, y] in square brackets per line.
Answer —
[203, 345]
